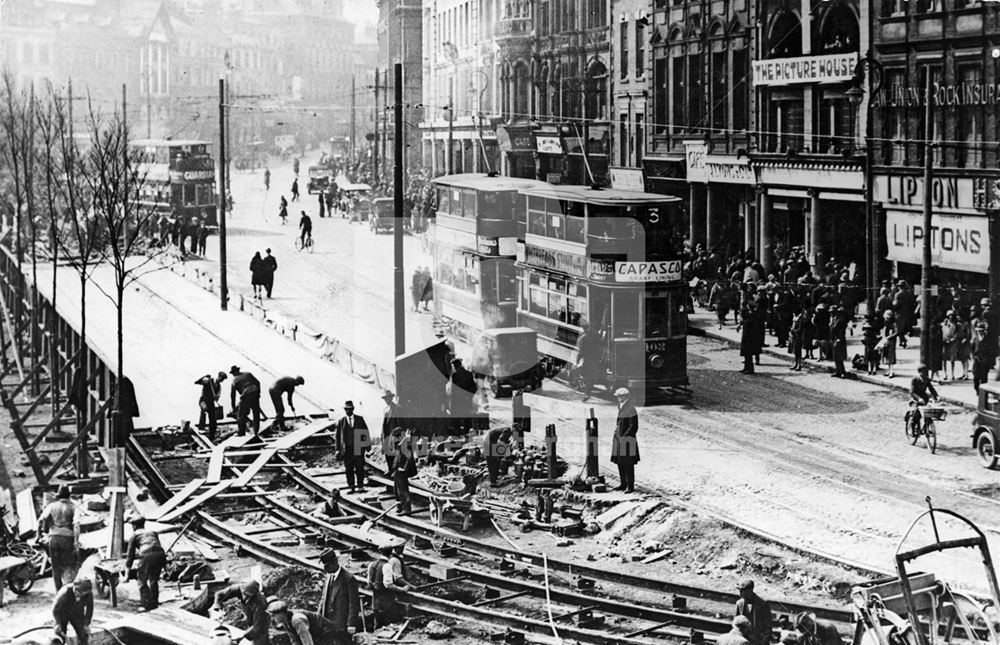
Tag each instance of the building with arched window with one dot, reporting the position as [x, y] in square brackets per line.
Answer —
[809, 170]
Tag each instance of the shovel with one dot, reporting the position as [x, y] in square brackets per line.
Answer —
[368, 525]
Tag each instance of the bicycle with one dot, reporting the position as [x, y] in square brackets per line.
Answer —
[925, 427]
[308, 245]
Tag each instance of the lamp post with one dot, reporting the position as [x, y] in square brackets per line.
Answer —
[868, 80]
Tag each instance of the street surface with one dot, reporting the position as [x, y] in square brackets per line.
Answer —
[344, 287]
[818, 463]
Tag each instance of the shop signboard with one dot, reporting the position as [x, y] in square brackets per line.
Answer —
[549, 145]
[515, 138]
[662, 271]
[722, 169]
[947, 193]
[830, 68]
[569, 263]
[958, 241]
[627, 179]
[601, 270]
[497, 246]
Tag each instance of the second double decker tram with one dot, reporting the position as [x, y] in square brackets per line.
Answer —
[475, 243]
[608, 259]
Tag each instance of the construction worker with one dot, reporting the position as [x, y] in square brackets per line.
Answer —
[248, 387]
[738, 634]
[74, 605]
[211, 390]
[390, 420]
[339, 602]
[303, 627]
[145, 545]
[60, 522]
[814, 631]
[284, 385]
[404, 466]
[394, 581]
[254, 609]
[377, 588]
[757, 611]
[331, 507]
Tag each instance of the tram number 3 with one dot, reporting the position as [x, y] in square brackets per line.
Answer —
[654, 216]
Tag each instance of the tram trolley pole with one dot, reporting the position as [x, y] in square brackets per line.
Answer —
[550, 451]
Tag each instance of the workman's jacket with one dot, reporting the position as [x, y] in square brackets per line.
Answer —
[309, 628]
[254, 610]
[339, 601]
[58, 518]
[142, 543]
[67, 606]
[758, 611]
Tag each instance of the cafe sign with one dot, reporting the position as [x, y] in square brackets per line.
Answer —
[723, 169]
[959, 242]
[831, 68]
[663, 271]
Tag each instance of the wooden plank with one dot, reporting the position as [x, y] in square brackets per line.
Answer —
[293, 439]
[197, 501]
[27, 520]
[180, 497]
[255, 467]
[218, 453]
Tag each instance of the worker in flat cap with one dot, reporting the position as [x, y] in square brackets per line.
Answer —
[757, 611]
[254, 609]
[353, 440]
[74, 605]
[146, 548]
[60, 522]
[303, 627]
[339, 602]
[816, 631]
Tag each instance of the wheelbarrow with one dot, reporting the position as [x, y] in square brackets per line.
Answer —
[465, 505]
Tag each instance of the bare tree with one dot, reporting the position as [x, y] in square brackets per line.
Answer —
[117, 183]
[12, 122]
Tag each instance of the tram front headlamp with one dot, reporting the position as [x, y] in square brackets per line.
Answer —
[656, 361]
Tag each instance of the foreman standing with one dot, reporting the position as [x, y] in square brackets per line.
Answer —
[60, 522]
[390, 420]
[624, 444]
[352, 442]
[339, 599]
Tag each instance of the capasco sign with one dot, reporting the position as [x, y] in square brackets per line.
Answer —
[660, 271]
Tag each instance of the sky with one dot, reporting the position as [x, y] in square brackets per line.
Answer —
[361, 11]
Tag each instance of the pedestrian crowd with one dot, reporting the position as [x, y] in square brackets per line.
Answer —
[812, 314]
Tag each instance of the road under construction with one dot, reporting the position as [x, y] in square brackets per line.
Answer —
[242, 495]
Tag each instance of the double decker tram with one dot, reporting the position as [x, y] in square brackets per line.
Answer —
[474, 246]
[180, 178]
[608, 259]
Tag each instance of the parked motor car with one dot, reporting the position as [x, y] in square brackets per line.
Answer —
[986, 425]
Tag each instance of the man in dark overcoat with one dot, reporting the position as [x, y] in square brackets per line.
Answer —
[624, 444]
[352, 442]
[338, 600]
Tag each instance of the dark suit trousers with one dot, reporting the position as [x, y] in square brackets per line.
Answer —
[249, 402]
[148, 575]
[207, 412]
[354, 465]
[626, 473]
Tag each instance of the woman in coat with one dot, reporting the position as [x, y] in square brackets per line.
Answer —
[750, 340]
[624, 445]
[889, 341]
[257, 273]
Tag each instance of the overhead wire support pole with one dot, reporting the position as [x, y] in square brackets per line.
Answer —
[375, 174]
[925, 265]
[397, 229]
[221, 215]
[353, 120]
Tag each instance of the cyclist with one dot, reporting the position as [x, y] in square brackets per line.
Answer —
[922, 392]
[305, 228]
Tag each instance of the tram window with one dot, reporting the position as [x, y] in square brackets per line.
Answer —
[204, 194]
[556, 228]
[536, 223]
[539, 304]
[507, 289]
[444, 200]
[575, 229]
[625, 311]
[657, 317]
[678, 316]
[468, 203]
[535, 279]
[557, 307]
[536, 203]
[456, 202]
[190, 194]
[575, 309]
[557, 284]
[491, 205]
[522, 294]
